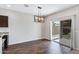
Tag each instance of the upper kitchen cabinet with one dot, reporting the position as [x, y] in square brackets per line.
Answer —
[3, 21]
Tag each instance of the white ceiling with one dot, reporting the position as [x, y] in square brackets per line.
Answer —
[32, 9]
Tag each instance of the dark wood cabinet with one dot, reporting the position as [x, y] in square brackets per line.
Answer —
[3, 21]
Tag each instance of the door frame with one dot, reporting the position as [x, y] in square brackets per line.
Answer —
[73, 29]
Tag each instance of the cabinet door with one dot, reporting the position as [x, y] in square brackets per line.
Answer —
[3, 21]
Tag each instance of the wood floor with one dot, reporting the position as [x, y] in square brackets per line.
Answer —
[39, 47]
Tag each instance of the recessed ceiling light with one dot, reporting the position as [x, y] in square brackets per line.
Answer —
[26, 5]
[8, 5]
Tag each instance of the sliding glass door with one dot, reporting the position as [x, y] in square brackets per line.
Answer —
[65, 32]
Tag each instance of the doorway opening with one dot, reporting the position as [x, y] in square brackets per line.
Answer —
[56, 31]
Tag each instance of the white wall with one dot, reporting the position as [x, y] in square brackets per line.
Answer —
[22, 27]
[67, 12]
[45, 29]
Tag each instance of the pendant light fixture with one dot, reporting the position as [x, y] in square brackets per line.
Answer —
[39, 17]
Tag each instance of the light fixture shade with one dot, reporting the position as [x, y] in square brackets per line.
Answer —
[40, 19]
